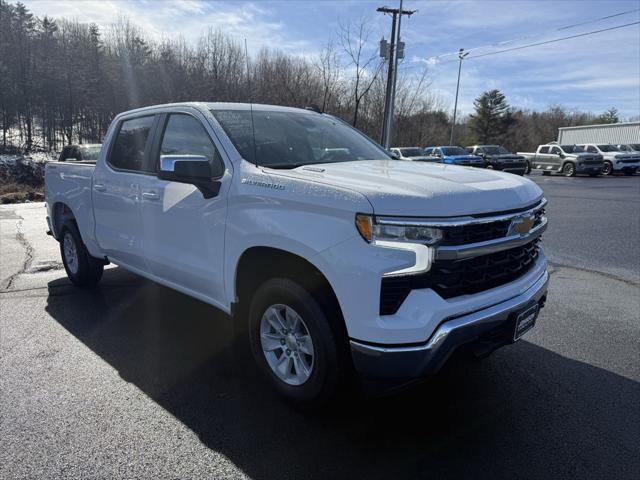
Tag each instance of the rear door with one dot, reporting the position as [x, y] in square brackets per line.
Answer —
[183, 231]
[544, 159]
[555, 158]
[116, 191]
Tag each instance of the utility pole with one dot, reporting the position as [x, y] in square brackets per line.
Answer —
[461, 55]
[389, 99]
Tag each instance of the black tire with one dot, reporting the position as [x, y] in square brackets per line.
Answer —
[608, 168]
[569, 169]
[88, 271]
[329, 360]
[527, 168]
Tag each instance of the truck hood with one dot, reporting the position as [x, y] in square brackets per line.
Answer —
[423, 189]
[583, 156]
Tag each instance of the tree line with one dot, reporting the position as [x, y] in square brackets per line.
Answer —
[62, 81]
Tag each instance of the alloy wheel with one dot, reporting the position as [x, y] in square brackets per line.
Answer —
[287, 344]
[70, 252]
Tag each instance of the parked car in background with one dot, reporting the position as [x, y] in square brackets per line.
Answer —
[566, 159]
[412, 153]
[630, 148]
[80, 153]
[615, 161]
[329, 256]
[455, 156]
[497, 157]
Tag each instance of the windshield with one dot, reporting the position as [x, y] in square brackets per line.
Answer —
[572, 148]
[90, 153]
[412, 152]
[495, 150]
[454, 151]
[608, 148]
[291, 139]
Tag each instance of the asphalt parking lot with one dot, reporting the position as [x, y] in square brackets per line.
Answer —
[135, 380]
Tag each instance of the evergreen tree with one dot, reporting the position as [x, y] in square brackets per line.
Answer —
[492, 117]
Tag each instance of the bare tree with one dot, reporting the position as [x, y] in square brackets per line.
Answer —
[366, 65]
[328, 68]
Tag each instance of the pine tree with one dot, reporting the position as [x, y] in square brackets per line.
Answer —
[492, 117]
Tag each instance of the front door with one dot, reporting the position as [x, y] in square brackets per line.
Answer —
[183, 231]
[116, 192]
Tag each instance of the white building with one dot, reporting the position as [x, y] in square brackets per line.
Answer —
[614, 133]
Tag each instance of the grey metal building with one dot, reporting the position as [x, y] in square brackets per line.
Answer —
[616, 133]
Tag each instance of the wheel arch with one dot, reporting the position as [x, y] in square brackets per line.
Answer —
[61, 213]
[260, 263]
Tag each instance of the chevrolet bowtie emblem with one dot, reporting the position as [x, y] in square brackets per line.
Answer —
[521, 225]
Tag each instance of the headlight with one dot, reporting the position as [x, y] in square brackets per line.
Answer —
[374, 232]
[416, 239]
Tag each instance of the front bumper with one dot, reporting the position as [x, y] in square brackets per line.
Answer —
[487, 325]
[590, 169]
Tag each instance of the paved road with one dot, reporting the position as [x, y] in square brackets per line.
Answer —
[596, 223]
[135, 380]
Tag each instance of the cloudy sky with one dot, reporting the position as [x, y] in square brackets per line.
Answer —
[589, 73]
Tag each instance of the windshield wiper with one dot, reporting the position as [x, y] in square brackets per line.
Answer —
[285, 166]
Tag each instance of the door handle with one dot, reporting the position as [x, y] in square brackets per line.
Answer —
[150, 195]
[99, 187]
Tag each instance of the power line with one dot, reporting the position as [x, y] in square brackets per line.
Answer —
[554, 40]
[584, 34]
[525, 37]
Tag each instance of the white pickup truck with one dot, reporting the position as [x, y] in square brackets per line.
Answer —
[332, 257]
[615, 160]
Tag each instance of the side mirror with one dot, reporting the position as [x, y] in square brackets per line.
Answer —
[191, 169]
[394, 155]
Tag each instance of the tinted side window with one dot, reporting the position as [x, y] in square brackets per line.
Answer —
[544, 150]
[556, 151]
[185, 135]
[592, 150]
[128, 149]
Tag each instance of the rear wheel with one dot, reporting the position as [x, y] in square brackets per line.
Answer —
[607, 169]
[82, 269]
[294, 344]
[569, 169]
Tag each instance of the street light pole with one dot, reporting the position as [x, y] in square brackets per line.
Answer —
[461, 55]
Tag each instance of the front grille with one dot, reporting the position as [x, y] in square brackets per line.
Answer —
[481, 232]
[452, 278]
[461, 235]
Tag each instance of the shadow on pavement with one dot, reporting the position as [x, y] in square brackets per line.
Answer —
[524, 412]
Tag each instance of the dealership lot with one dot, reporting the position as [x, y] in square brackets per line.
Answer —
[135, 380]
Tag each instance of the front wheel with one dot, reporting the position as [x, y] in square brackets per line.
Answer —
[527, 168]
[294, 344]
[569, 169]
[607, 169]
[82, 269]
